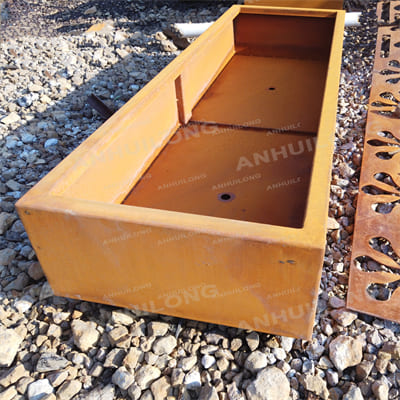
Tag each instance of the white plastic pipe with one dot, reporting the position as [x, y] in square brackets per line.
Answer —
[352, 19]
[196, 29]
[192, 30]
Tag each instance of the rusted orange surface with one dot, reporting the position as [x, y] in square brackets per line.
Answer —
[231, 173]
[206, 195]
[278, 97]
[375, 263]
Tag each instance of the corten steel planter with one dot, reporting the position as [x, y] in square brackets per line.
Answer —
[206, 195]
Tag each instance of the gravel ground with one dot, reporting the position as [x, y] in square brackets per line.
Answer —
[56, 347]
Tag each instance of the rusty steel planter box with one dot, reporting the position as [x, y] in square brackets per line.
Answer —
[206, 195]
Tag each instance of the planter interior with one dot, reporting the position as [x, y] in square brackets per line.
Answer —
[259, 117]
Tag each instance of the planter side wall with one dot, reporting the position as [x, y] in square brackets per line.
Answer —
[270, 287]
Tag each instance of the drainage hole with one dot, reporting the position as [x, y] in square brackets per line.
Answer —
[226, 196]
[271, 88]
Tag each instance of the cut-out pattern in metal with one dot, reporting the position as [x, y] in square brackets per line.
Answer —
[388, 13]
[375, 264]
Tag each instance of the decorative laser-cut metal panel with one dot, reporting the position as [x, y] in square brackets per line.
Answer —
[388, 12]
[375, 263]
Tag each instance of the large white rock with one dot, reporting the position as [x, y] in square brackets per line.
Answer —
[146, 375]
[50, 362]
[10, 118]
[122, 378]
[105, 393]
[192, 380]
[256, 361]
[6, 256]
[164, 345]
[157, 328]
[271, 384]
[6, 220]
[354, 393]
[160, 388]
[9, 393]
[68, 390]
[208, 392]
[381, 390]
[39, 389]
[315, 384]
[85, 334]
[9, 344]
[345, 351]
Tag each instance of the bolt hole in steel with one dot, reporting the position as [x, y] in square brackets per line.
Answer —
[272, 88]
[226, 197]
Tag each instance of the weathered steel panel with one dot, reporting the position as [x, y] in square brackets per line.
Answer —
[375, 262]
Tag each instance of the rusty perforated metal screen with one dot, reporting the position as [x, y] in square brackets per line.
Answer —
[375, 262]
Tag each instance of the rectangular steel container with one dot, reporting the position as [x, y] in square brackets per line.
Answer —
[206, 195]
